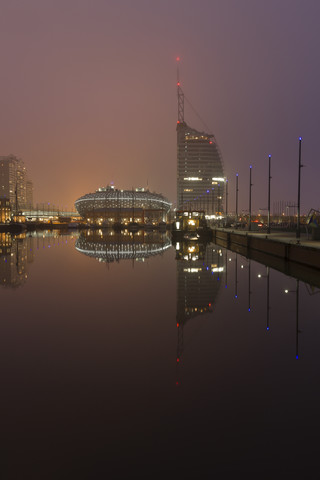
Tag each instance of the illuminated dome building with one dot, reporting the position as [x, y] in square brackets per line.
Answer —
[109, 205]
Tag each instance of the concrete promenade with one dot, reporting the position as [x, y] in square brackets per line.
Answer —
[279, 250]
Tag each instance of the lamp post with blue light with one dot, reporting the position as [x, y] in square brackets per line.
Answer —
[237, 190]
[299, 179]
[250, 185]
[269, 181]
[226, 201]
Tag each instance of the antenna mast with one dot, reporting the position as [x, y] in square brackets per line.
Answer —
[180, 96]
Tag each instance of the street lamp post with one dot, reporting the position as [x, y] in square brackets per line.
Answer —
[250, 185]
[269, 181]
[237, 190]
[226, 201]
[299, 178]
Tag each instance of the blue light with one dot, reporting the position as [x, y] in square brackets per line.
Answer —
[218, 279]
[236, 296]
[237, 174]
[249, 309]
[250, 166]
[269, 156]
[267, 328]
[297, 356]
[207, 268]
[300, 138]
[226, 286]
[207, 191]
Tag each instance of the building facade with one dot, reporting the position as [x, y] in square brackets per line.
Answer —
[29, 194]
[109, 205]
[14, 184]
[5, 210]
[200, 175]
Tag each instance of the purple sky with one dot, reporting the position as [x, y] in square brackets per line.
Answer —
[88, 92]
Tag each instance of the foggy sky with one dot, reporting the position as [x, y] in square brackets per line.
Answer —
[88, 92]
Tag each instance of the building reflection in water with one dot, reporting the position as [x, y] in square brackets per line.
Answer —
[200, 271]
[15, 253]
[109, 246]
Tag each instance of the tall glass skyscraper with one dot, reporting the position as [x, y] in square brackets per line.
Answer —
[200, 176]
[14, 184]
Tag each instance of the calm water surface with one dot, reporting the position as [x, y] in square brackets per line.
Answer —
[130, 357]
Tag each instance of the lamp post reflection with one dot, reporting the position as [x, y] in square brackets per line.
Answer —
[249, 282]
[249, 286]
[236, 277]
[267, 276]
[296, 291]
[250, 187]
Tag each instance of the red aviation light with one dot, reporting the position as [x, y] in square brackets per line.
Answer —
[178, 324]
[178, 59]
[178, 121]
[209, 304]
[210, 142]
[178, 83]
[178, 360]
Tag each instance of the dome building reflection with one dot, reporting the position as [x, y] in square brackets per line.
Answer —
[108, 246]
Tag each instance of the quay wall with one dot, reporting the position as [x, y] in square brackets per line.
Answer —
[244, 242]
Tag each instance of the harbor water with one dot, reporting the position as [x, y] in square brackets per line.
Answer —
[123, 355]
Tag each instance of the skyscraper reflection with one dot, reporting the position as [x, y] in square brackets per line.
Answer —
[200, 271]
[15, 254]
